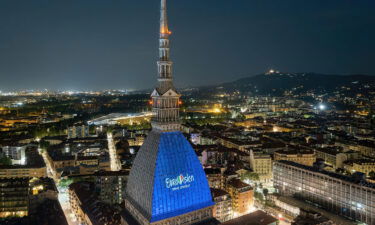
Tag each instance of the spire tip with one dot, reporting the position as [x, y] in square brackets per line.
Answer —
[163, 18]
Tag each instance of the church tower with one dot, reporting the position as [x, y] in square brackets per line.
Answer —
[167, 183]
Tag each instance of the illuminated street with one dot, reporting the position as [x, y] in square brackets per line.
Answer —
[63, 195]
[64, 202]
[113, 157]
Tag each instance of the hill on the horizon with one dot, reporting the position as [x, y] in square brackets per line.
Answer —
[277, 83]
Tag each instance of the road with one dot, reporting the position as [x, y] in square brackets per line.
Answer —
[113, 157]
[65, 205]
[63, 195]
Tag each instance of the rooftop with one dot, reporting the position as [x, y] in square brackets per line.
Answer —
[327, 173]
[256, 218]
[237, 183]
[295, 152]
[218, 192]
[111, 173]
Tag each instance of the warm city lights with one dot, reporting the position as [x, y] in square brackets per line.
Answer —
[250, 113]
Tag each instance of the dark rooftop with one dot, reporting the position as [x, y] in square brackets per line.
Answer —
[218, 192]
[255, 218]
[237, 183]
[112, 173]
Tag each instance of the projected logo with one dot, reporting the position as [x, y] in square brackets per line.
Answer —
[179, 182]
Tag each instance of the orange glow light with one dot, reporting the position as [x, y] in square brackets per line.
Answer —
[164, 30]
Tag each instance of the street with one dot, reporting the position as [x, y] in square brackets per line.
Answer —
[113, 157]
[63, 195]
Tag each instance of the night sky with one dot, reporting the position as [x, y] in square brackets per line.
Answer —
[112, 44]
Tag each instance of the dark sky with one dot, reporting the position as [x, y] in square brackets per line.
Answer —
[102, 44]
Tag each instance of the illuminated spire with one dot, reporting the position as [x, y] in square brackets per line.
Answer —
[151, 198]
[165, 98]
[163, 18]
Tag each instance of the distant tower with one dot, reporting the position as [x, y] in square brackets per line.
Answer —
[167, 184]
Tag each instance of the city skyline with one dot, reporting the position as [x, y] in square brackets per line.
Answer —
[79, 46]
[275, 147]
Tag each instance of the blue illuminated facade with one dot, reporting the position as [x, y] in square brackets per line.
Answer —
[167, 178]
[188, 193]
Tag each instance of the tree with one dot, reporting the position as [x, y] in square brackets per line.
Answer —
[44, 144]
[122, 146]
[6, 161]
[265, 192]
[258, 196]
[250, 175]
[65, 182]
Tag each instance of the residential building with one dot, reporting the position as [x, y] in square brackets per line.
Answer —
[22, 171]
[365, 166]
[242, 196]
[304, 157]
[34, 166]
[215, 178]
[78, 131]
[87, 208]
[335, 157]
[16, 152]
[14, 194]
[222, 210]
[21, 197]
[261, 164]
[110, 186]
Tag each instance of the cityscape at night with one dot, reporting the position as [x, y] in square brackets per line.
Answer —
[171, 112]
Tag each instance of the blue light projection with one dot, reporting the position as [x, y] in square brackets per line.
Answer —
[180, 184]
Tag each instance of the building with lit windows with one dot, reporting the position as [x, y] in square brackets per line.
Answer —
[88, 209]
[78, 131]
[261, 164]
[242, 196]
[110, 186]
[16, 152]
[22, 171]
[366, 148]
[21, 197]
[167, 184]
[335, 157]
[14, 194]
[350, 197]
[222, 210]
[365, 166]
[305, 157]
[34, 166]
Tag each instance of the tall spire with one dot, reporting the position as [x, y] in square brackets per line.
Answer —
[165, 98]
[164, 18]
[152, 197]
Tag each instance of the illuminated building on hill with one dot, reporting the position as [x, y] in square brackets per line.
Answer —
[167, 184]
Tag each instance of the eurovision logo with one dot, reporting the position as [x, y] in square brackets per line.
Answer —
[180, 182]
